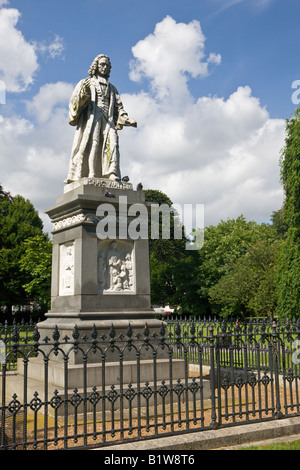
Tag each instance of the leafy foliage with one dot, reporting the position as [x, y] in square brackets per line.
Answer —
[288, 276]
[288, 264]
[234, 273]
[18, 221]
[223, 245]
[290, 172]
[250, 286]
[36, 262]
[278, 223]
[171, 268]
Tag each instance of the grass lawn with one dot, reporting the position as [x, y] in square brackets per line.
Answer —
[293, 445]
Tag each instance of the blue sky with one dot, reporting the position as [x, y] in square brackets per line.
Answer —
[209, 82]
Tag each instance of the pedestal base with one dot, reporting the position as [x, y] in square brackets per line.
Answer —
[114, 338]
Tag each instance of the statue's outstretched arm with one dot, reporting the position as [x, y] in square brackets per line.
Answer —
[122, 118]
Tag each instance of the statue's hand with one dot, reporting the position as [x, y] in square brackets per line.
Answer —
[130, 122]
[124, 120]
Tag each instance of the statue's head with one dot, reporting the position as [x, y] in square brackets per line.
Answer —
[100, 66]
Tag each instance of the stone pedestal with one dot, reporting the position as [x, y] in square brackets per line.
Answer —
[94, 278]
[98, 282]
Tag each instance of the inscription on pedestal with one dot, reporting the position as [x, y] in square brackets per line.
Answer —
[98, 182]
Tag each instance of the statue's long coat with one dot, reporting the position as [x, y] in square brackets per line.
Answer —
[83, 111]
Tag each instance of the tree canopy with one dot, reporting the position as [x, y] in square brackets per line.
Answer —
[249, 288]
[19, 221]
[290, 172]
[288, 263]
[36, 262]
[171, 266]
[234, 273]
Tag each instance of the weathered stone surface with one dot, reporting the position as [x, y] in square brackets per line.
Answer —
[97, 112]
[94, 278]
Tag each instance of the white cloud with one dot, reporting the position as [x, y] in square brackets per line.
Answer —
[169, 56]
[222, 152]
[227, 4]
[53, 49]
[263, 3]
[223, 5]
[18, 57]
[18, 60]
[219, 151]
[49, 96]
[34, 158]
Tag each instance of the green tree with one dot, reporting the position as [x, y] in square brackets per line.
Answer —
[223, 245]
[288, 277]
[164, 252]
[288, 265]
[250, 286]
[171, 266]
[290, 172]
[222, 264]
[5, 194]
[278, 223]
[18, 221]
[36, 262]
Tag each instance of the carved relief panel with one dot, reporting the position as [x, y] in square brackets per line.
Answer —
[116, 272]
[66, 269]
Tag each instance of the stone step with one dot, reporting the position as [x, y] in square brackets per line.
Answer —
[133, 395]
[95, 374]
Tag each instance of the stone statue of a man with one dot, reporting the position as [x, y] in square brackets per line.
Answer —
[97, 111]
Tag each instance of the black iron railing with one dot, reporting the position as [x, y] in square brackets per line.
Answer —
[233, 333]
[24, 331]
[92, 389]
